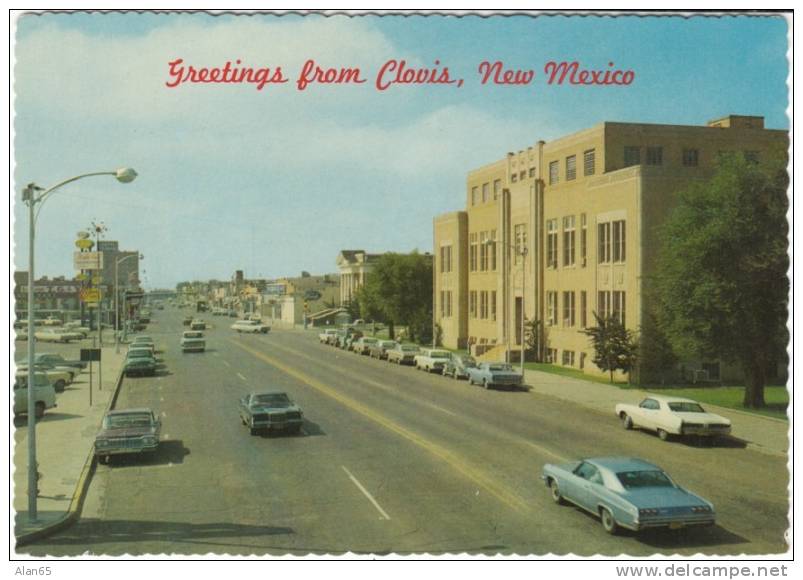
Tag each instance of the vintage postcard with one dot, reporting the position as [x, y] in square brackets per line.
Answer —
[402, 285]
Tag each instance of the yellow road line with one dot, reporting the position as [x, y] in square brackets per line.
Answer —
[512, 500]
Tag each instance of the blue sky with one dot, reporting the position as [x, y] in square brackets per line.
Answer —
[278, 181]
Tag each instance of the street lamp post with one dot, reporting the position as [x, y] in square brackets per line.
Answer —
[117, 299]
[33, 195]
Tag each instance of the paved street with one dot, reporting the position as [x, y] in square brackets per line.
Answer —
[389, 460]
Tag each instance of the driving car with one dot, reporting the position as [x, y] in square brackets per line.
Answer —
[494, 374]
[431, 359]
[193, 341]
[381, 348]
[127, 431]
[197, 324]
[270, 411]
[403, 354]
[669, 416]
[56, 334]
[139, 361]
[251, 326]
[457, 366]
[44, 395]
[627, 493]
[363, 344]
[187, 320]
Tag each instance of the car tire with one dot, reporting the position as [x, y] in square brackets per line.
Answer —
[485, 384]
[59, 386]
[554, 491]
[627, 421]
[253, 431]
[39, 410]
[663, 435]
[455, 376]
[608, 521]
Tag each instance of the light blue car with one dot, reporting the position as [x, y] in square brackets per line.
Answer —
[627, 493]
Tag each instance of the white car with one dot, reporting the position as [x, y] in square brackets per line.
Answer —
[53, 334]
[250, 326]
[669, 416]
[432, 359]
[323, 337]
[44, 395]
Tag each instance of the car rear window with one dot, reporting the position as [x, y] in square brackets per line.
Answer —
[127, 420]
[272, 399]
[686, 407]
[639, 479]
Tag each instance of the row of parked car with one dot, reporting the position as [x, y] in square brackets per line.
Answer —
[52, 373]
[433, 360]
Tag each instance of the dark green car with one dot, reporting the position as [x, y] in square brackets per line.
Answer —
[139, 362]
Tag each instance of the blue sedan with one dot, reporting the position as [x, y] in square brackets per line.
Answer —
[627, 493]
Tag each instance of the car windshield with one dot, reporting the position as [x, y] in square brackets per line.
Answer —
[139, 353]
[193, 335]
[127, 420]
[387, 344]
[440, 354]
[271, 400]
[686, 407]
[639, 479]
[409, 348]
[143, 339]
[369, 341]
[500, 367]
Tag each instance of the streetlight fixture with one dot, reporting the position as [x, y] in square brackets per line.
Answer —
[32, 195]
[117, 299]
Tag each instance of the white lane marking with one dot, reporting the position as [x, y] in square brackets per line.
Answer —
[366, 494]
[242, 377]
[547, 451]
[226, 363]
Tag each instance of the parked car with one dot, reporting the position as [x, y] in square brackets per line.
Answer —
[431, 359]
[139, 362]
[127, 431]
[75, 326]
[352, 337]
[251, 326]
[363, 344]
[187, 320]
[232, 313]
[44, 395]
[51, 321]
[403, 354]
[323, 337]
[627, 493]
[193, 341]
[58, 377]
[270, 411]
[457, 366]
[494, 374]
[58, 360]
[669, 416]
[54, 334]
[380, 349]
[198, 324]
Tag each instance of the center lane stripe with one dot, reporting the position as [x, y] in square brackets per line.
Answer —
[366, 494]
[509, 498]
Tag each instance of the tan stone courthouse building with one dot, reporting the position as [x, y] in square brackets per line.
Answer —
[569, 227]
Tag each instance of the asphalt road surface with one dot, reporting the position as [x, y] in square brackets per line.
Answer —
[390, 460]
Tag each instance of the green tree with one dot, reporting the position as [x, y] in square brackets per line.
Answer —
[615, 347]
[532, 337]
[721, 276]
[399, 291]
[656, 355]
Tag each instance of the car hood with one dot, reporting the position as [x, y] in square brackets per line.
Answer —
[127, 432]
[661, 497]
[702, 418]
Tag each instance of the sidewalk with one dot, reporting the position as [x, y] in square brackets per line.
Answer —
[64, 441]
[764, 434]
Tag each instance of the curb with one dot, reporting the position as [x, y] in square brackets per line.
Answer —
[77, 501]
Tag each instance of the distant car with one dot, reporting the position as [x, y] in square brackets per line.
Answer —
[198, 324]
[627, 493]
[350, 339]
[432, 359]
[187, 320]
[251, 326]
[363, 345]
[457, 366]
[58, 377]
[669, 416]
[127, 431]
[323, 337]
[270, 411]
[58, 360]
[53, 334]
[193, 341]
[232, 313]
[380, 349]
[494, 374]
[403, 354]
[139, 362]
[44, 395]
[50, 321]
[75, 326]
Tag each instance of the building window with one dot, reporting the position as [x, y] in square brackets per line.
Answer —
[446, 259]
[568, 358]
[691, 157]
[604, 304]
[497, 188]
[571, 167]
[551, 355]
[582, 361]
[522, 174]
[486, 189]
[552, 308]
[483, 305]
[514, 177]
[568, 240]
[443, 303]
[583, 239]
[472, 252]
[532, 171]
[520, 242]
[493, 304]
[589, 162]
[472, 304]
[618, 306]
[568, 309]
[552, 243]
[492, 251]
[553, 172]
[632, 155]
[655, 155]
[583, 307]
[475, 194]
[446, 303]
[483, 251]
[619, 241]
[604, 243]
